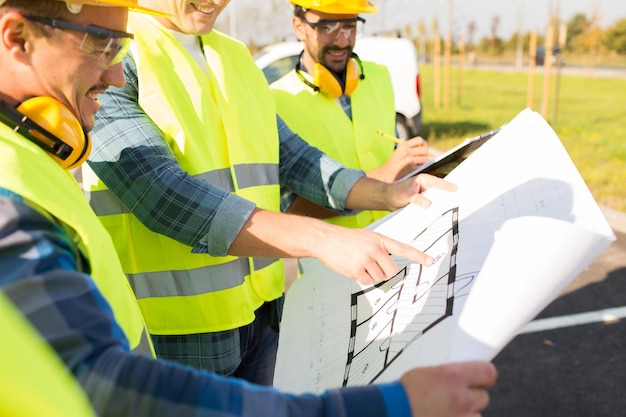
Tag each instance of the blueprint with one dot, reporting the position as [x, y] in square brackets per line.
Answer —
[521, 226]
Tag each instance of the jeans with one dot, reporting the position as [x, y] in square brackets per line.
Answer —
[248, 352]
[258, 345]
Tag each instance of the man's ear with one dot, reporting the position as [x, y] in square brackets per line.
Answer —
[14, 32]
[298, 28]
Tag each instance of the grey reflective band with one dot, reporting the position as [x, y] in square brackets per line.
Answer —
[260, 263]
[252, 175]
[144, 345]
[220, 178]
[195, 281]
[105, 203]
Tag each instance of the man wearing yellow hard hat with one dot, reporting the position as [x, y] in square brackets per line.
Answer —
[338, 103]
[58, 265]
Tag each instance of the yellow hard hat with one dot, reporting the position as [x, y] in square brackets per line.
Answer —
[131, 4]
[337, 6]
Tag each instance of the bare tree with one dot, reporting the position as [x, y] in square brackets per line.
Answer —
[259, 23]
[495, 25]
[471, 31]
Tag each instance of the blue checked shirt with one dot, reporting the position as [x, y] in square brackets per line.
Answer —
[128, 152]
[128, 149]
[44, 274]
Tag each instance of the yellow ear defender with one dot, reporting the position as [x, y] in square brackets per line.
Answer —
[327, 83]
[51, 125]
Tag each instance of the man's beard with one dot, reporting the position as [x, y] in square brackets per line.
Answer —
[338, 68]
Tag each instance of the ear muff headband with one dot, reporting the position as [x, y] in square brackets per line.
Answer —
[327, 83]
[51, 125]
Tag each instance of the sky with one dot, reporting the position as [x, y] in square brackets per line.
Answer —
[529, 14]
[266, 20]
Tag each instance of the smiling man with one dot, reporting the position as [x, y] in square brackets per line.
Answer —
[56, 60]
[338, 103]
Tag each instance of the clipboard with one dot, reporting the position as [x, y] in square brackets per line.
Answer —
[447, 161]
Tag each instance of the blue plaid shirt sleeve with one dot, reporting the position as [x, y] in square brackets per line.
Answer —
[307, 171]
[129, 151]
[44, 275]
[130, 155]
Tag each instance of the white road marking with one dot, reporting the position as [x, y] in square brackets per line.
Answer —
[607, 316]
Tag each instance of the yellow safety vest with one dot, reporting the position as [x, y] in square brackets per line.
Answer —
[221, 128]
[321, 121]
[34, 381]
[28, 171]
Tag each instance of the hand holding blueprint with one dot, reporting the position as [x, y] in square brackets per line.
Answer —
[522, 225]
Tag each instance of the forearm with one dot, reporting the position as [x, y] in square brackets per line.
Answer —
[383, 173]
[159, 389]
[68, 310]
[270, 234]
[118, 383]
[369, 194]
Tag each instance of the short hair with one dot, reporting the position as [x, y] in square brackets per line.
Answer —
[299, 11]
[43, 8]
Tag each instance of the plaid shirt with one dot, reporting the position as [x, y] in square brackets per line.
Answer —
[128, 149]
[127, 145]
[43, 274]
[346, 105]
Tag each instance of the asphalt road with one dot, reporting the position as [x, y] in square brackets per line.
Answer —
[577, 368]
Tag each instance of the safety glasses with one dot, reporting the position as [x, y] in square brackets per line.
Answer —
[332, 29]
[107, 46]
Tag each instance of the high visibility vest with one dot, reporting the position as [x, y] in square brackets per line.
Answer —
[28, 171]
[34, 381]
[321, 121]
[221, 128]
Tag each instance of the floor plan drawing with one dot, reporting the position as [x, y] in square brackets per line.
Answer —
[505, 244]
[389, 316]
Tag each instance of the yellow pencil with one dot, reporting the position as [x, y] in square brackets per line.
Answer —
[389, 137]
[398, 141]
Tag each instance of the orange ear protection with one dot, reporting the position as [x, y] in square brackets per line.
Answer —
[327, 83]
[51, 125]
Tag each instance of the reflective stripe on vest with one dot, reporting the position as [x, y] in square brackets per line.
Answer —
[56, 192]
[105, 203]
[322, 122]
[195, 282]
[222, 130]
[34, 381]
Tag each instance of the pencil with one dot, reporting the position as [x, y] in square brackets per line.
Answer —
[389, 137]
[398, 141]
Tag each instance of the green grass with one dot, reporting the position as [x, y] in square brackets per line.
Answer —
[590, 121]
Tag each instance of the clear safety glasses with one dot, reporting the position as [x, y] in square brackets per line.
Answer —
[332, 29]
[107, 46]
